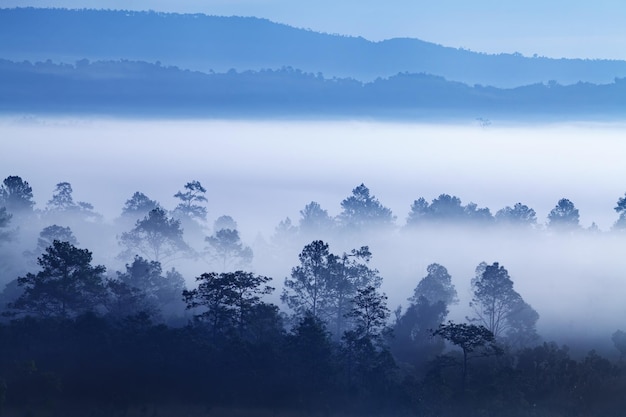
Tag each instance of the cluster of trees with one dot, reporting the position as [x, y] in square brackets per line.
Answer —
[362, 211]
[146, 228]
[74, 334]
[76, 342]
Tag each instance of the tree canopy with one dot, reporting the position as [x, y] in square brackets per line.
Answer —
[227, 251]
[362, 210]
[66, 286]
[314, 219]
[435, 286]
[158, 292]
[190, 201]
[447, 209]
[620, 208]
[499, 308]
[325, 284]
[564, 216]
[518, 215]
[157, 237]
[227, 301]
[16, 195]
[139, 205]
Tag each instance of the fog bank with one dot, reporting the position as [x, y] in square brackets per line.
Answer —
[291, 163]
[261, 172]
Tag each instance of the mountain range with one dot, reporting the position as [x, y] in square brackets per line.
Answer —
[212, 43]
[120, 62]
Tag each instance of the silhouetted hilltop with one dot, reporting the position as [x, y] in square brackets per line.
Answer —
[205, 43]
[127, 87]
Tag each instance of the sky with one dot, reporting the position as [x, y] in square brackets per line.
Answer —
[557, 28]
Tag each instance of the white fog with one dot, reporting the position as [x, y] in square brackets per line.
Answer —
[260, 172]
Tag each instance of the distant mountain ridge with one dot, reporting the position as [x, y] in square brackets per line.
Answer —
[205, 43]
[132, 87]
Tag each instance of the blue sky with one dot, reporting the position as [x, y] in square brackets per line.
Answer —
[558, 28]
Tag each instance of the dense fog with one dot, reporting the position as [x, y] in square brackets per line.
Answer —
[262, 172]
[291, 163]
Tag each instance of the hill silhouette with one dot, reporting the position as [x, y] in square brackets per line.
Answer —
[210, 43]
[126, 87]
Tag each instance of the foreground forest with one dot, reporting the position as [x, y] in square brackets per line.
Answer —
[139, 337]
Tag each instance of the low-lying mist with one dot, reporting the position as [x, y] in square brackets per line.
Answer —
[262, 172]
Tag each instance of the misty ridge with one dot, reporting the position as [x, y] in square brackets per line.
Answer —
[131, 87]
[302, 321]
[58, 61]
[216, 43]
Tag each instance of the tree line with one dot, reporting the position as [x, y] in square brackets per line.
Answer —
[75, 338]
[122, 87]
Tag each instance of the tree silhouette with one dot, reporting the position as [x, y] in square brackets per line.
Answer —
[518, 215]
[352, 275]
[446, 208]
[413, 341]
[47, 236]
[285, 234]
[125, 301]
[564, 216]
[225, 246]
[62, 199]
[309, 287]
[314, 219]
[224, 222]
[362, 210]
[67, 285]
[16, 195]
[159, 291]
[474, 214]
[435, 286]
[620, 208]
[138, 205]
[62, 202]
[54, 232]
[227, 300]
[499, 307]
[190, 198]
[156, 236]
[369, 313]
[619, 341]
[418, 213]
[325, 284]
[470, 338]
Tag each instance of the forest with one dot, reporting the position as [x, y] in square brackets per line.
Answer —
[110, 317]
[141, 88]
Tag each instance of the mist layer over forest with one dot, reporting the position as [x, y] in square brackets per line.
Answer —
[261, 173]
[345, 267]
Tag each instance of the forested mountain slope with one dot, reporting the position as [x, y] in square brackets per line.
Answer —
[206, 43]
[127, 87]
